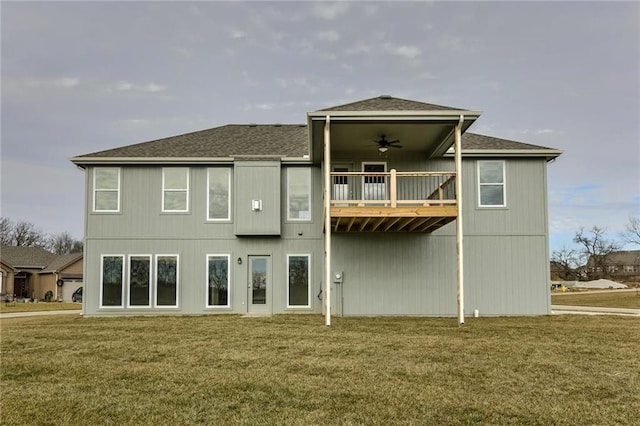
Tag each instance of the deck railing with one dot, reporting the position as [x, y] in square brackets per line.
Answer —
[393, 188]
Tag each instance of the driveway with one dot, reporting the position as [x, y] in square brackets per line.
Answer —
[592, 310]
[38, 313]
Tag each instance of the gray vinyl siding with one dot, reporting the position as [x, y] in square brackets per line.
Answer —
[506, 249]
[257, 181]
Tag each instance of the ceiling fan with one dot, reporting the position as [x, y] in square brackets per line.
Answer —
[384, 144]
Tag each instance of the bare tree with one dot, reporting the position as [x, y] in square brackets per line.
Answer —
[21, 233]
[6, 228]
[594, 250]
[632, 233]
[566, 260]
[63, 243]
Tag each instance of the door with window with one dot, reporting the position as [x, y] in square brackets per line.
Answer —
[259, 288]
[374, 187]
[340, 184]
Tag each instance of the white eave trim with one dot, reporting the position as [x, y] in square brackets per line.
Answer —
[80, 161]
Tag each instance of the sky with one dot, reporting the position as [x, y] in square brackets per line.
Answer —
[79, 77]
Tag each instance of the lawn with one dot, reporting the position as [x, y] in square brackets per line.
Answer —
[613, 299]
[69, 370]
[40, 306]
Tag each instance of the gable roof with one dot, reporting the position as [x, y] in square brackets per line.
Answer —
[61, 262]
[389, 103]
[225, 142]
[26, 257]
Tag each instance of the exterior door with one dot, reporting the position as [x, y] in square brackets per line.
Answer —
[340, 184]
[374, 187]
[259, 297]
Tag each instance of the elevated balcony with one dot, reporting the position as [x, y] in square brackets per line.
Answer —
[392, 201]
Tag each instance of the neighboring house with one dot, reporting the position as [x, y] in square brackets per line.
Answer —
[238, 218]
[619, 266]
[30, 272]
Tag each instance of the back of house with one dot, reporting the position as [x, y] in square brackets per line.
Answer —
[362, 204]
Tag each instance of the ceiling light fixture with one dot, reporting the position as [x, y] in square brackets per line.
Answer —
[383, 149]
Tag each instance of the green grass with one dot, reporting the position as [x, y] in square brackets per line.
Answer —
[613, 299]
[39, 306]
[69, 370]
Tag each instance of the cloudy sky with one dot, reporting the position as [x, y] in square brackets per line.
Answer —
[79, 77]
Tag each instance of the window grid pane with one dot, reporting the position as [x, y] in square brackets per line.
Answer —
[139, 280]
[491, 183]
[219, 194]
[167, 281]
[112, 280]
[175, 189]
[298, 281]
[218, 281]
[299, 194]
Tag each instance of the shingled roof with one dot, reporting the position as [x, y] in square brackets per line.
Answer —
[61, 262]
[389, 103]
[276, 140]
[264, 140]
[26, 257]
[473, 141]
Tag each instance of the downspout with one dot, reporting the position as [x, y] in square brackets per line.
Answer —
[459, 234]
[327, 221]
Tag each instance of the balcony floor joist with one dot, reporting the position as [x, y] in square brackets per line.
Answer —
[391, 219]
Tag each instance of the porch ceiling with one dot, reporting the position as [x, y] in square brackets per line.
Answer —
[427, 136]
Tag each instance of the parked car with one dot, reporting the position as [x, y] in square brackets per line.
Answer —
[77, 295]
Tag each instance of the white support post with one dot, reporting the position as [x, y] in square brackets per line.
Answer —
[459, 239]
[327, 221]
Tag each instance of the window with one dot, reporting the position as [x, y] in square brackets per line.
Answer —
[106, 189]
[299, 194]
[139, 280]
[218, 280]
[111, 279]
[491, 184]
[219, 194]
[167, 281]
[298, 292]
[175, 189]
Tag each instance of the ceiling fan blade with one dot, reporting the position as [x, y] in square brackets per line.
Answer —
[394, 141]
[395, 146]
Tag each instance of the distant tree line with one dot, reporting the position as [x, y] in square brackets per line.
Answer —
[588, 258]
[27, 234]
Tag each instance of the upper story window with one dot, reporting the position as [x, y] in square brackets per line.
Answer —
[175, 189]
[299, 194]
[491, 184]
[106, 189]
[219, 194]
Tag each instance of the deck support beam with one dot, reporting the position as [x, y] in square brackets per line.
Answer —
[327, 221]
[459, 239]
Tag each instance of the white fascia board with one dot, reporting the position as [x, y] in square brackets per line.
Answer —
[549, 153]
[393, 115]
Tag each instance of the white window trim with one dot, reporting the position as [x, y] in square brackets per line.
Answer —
[206, 288]
[216, 219]
[308, 305]
[164, 190]
[155, 281]
[310, 182]
[124, 285]
[128, 292]
[95, 190]
[504, 184]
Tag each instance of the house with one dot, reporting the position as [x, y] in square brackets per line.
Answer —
[621, 266]
[30, 272]
[384, 206]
